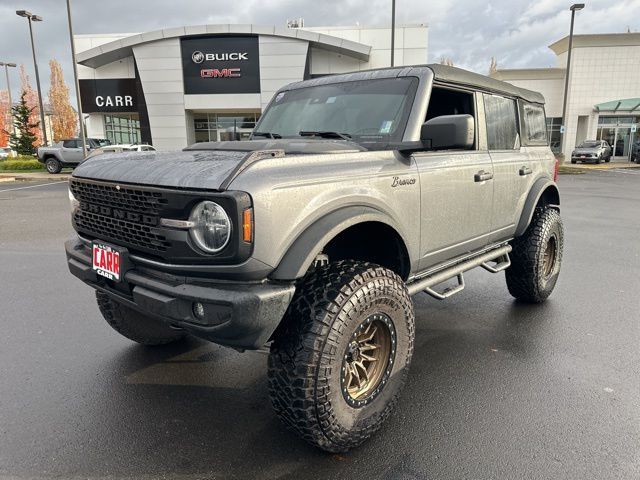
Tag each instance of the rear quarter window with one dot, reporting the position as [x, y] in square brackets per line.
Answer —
[534, 124]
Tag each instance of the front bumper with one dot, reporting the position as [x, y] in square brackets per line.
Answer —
[240, 315]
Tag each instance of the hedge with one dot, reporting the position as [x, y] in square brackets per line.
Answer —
[20, 163]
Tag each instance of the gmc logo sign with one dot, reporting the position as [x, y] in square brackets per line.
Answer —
[220, 73]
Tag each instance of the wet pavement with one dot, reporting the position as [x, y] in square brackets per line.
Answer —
[496, 389]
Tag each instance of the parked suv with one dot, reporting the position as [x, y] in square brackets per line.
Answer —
[356, 192]
[67, 153]
[592, 151]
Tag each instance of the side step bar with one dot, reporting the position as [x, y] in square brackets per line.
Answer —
[500, 256]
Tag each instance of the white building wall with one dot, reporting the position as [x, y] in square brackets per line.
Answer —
[160, 69]
[282, 61]
[599, 74]
[411, 45]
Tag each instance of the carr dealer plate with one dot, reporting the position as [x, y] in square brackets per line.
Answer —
[108, 261]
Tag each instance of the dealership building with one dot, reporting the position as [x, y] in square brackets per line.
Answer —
[603, 100]
[178, 86]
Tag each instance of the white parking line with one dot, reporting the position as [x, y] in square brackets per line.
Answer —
[32, 186]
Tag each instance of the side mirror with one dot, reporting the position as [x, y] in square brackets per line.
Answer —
[448, 132]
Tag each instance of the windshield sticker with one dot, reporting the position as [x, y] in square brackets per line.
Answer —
[280, 96]
[386, 126]
[331, 100]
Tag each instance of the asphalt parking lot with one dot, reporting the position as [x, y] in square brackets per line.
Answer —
[496, 390]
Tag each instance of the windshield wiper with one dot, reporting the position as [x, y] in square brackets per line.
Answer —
[307, 133]
[266, 134]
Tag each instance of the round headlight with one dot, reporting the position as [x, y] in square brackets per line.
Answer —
[211, 227]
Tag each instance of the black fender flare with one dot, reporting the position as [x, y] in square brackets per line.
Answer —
[303, 251]
[538, 189]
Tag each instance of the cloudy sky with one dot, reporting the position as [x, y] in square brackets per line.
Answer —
[469, 32]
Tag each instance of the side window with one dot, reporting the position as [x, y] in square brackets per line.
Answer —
[70, 144]
[502, 123]
[447, 101]
[535, 127]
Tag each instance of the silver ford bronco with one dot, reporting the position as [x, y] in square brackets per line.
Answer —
[355, 192]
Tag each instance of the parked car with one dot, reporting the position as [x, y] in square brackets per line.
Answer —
[355, 192]
[67, 153]
[635, 151]
[5, 152]
[121, 148]
[592, 151]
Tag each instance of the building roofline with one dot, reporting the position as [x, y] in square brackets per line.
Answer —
[528, 73]
[123, 47]
[596, 40]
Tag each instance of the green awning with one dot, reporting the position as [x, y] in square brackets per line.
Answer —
[624, 105]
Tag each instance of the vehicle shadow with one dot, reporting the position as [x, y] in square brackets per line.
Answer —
[198, 410]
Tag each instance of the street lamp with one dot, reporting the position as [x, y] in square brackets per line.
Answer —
[6, 72]
[35, 18]
[575, 7]
[77, 83]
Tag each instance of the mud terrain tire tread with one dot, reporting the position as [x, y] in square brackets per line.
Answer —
[524, 276]
[305, 344]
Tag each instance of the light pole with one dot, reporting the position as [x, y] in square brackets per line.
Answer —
[393, 29]
[6, 72]
[35, 18]
[563, 130]
[77, 83]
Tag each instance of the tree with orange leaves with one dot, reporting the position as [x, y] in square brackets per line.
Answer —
[31, 98]
[5, 121]
[64, 117]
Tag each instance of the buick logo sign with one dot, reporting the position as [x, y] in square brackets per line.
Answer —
[197, 57]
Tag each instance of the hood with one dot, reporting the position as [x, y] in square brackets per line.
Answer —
[209, 166]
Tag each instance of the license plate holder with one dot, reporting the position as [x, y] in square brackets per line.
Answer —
[109, 261]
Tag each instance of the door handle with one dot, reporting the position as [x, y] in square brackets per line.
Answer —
[525, 171]
[482, 176]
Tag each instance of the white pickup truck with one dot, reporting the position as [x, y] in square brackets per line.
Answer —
[67, 153]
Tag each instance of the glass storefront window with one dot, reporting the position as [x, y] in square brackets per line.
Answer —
[553, 133]
[216, 127]
[122, 128]
[616, 131]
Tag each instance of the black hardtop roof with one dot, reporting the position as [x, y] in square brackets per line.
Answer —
[441, 73]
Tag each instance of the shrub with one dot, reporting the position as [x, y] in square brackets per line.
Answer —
[20, 163]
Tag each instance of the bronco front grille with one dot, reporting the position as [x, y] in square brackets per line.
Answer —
[121, 230]
[126, 198]
[104, 224]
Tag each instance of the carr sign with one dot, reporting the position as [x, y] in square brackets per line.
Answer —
[109, 95]
[220, 64]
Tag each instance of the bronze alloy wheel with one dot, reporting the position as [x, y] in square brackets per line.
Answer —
[368, 360]
[550, 255]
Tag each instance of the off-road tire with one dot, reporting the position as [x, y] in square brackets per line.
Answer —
[52, 165]
[134, 325]
[307, 354]
[526, 278]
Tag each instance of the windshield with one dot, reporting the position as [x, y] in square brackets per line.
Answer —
[589, 145]
[100, 142]
[367, 111]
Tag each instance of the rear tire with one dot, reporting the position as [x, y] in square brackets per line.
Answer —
[134, 325]
[536, 258]
[573, 161]
[52, 165]
[319, 343]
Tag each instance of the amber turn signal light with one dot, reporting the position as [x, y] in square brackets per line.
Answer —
[247, 225]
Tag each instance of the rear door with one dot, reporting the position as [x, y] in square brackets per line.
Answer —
[456, 187]
[512, 168]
